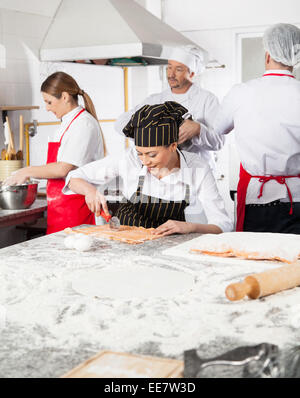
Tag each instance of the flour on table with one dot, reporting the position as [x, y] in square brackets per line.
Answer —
[41, 304]
[132, 282]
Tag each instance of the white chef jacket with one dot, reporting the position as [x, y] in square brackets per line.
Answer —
[83, 142]
[201, 103]
[193, 171]
[265, 116]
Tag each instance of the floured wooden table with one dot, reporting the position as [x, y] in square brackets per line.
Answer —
[126, 234]
[47, 328]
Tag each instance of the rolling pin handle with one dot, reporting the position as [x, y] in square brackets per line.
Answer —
[237, 291]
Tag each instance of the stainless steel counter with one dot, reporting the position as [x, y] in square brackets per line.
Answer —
[16, 217]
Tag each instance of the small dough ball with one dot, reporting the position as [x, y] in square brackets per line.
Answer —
[69, 242]
[78, 235]
[83, 243]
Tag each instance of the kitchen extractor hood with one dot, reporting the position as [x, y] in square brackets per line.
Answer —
[108, 29]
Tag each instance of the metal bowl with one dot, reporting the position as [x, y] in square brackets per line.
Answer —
[16, 197]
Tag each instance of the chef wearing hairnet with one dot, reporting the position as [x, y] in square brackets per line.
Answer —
[265, 116]
[183, 64]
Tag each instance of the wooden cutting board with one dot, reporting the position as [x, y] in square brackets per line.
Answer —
[110, 364]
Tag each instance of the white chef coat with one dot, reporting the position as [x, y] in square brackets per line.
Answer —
[265, 116]
[193, 171]
[201, 103]
[83, 142]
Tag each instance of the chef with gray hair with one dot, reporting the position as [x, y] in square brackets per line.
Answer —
[265, 116]
[183, 64]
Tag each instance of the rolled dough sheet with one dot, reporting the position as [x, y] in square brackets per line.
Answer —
[250, 245]
[127, 234]
[130, 282]
[196, 250]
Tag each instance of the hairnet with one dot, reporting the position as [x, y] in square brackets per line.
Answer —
[282, 42]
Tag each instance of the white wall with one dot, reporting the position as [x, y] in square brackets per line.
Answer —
[23, 25]
[187, 15]
[20, 36]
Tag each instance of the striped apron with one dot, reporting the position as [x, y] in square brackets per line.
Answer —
[150, 212]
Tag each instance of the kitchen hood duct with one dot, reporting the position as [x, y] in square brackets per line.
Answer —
[106, 29]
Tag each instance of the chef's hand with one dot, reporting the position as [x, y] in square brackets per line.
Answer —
[18, 177]
[174, 227]
[95, 202]
[188, 130]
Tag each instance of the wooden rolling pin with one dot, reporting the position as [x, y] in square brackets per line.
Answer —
[265, 283]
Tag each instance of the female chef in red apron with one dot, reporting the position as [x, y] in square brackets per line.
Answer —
[77, 141]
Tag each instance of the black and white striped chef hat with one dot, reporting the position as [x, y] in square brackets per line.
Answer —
[156, 125]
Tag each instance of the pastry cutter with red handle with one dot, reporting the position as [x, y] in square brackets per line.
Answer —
[113, 221]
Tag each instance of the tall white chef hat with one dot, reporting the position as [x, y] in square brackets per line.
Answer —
[195, 58]
[282, 42]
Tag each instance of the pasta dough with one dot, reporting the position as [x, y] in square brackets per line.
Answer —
[131, 282]
[250, 245]
[127, 234]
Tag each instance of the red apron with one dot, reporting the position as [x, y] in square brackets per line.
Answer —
[246, 177]
[64, 210]
[242, 192]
